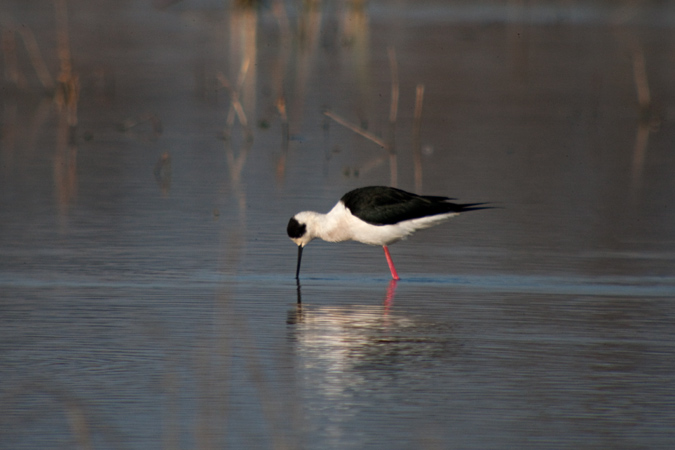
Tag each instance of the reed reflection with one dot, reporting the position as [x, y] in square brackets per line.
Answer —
[66, 99]
[65, 91]
[649, 120]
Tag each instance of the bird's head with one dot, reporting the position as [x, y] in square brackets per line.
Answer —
[299, 228]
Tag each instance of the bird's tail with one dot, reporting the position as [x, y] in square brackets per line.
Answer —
[463, 207]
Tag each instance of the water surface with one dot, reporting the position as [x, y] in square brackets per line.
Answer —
[146, 282]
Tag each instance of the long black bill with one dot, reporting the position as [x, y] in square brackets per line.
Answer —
[297, 271]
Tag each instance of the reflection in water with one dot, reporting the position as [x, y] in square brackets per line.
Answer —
[53, 402]
[163, 173]
[66, 94]
[144, 128]
[391, 292]
[649, 119]
[66, 99]
[243, 28]
[236, 165]
[344, 352]
[236, 108]
[298, 287]
[13, 72]
[388, 299]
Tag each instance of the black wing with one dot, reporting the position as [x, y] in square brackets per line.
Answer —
[381, 205]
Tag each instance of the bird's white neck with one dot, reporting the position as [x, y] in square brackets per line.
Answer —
[331, 227]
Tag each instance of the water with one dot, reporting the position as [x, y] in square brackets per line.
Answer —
[147, 297]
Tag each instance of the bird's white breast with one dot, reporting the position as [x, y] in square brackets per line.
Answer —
[341, 225]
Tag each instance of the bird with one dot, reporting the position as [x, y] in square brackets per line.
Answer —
[374, 215]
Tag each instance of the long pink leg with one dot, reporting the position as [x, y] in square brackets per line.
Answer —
[394, 275]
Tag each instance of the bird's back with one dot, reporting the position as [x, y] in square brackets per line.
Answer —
[381, 205]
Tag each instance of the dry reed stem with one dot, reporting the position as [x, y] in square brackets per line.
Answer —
[393, 66]
[644, 125]
[243, 70]
[62, 40]
[36, 57]
[235, 104]
[285, 136]
[393, 169]
[68, 93]
[281, 107]
[356, 129]
[279, 12]
[417, 127]
[34, 54]
[641, 80]
[639, 153]
[240, 84]
[419, 99]
[372, 164]
[12, 72]
[240, 113]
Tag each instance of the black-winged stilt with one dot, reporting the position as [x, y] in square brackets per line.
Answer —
[374, 215]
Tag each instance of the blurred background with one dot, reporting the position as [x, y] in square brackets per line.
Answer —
[152, 152]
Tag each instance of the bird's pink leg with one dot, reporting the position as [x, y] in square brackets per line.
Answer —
[394, 275]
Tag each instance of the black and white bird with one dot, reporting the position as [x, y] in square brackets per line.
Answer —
[374, 215]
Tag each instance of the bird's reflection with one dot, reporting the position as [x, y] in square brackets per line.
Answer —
[391, 292]
[339, 347]
[388, 299]
[297, 315]
[299, 287]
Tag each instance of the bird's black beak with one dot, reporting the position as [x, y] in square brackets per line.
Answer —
[297, 271]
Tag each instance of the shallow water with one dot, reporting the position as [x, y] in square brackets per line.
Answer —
[146, 282]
